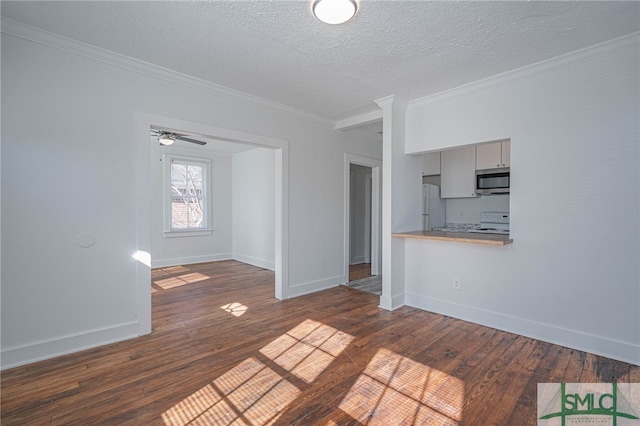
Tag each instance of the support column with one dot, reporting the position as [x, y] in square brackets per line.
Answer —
[401, 199]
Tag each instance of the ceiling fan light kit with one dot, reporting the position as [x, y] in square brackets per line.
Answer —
[166, 138]
[334, 12]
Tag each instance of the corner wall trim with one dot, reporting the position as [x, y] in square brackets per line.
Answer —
[313, 286]
[392, 303]
[189, 260]
[597, 345]
[27, 354]
[255, 261]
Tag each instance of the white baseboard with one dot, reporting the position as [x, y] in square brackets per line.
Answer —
[27, 354]
[358, 260]
[597, 345]
[187, 260]
[313, 286]
[255, 261]
[391, 303]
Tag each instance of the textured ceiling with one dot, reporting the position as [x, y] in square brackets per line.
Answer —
[277, 49]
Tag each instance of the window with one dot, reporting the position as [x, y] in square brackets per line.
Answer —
[186, 195]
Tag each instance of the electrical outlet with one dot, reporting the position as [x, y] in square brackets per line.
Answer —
[456, 283]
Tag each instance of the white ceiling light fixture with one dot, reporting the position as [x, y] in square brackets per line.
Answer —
[166, 138]
[334, 11]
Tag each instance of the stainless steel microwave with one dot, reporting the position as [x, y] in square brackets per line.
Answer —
[493, 181]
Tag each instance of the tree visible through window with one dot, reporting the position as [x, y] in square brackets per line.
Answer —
[188, 194]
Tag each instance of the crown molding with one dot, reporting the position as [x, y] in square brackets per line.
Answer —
[615, 46]
[393, 101]
[359, 120]
[56, 41]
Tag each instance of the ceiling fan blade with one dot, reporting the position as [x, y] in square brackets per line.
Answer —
[182, 138]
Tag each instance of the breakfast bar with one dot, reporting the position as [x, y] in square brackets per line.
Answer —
[459, 237]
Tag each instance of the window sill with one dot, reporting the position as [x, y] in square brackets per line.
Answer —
[188, 233]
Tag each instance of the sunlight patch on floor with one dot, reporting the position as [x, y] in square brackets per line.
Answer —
[169, 270]
[252, 393]
[308, 349]
[249, 394]
[175, 269]
[236, 309]
[397, 390]
[181, 280]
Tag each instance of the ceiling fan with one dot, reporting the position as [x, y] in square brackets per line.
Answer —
[167, 138]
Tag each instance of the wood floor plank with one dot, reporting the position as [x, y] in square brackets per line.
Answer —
[359, 271]
[363, 352]
[509, 385]
[223, 350]
[475, 394]
[589, 365]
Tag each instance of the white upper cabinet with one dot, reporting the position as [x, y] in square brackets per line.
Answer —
[493, 155]
[506, 153]
[431, 163]
[458, 171]
[489, 155]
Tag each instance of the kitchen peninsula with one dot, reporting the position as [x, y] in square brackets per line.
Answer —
[459, 237]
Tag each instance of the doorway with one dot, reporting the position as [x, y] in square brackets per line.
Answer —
[359, 221]
[362, 223]
[144, 122]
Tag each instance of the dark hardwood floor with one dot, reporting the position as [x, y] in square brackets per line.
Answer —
[359, 271]
[223, 351]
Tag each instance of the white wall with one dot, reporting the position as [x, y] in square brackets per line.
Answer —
[167, 251]
[571, 276]
[253, 208]
[68, 118]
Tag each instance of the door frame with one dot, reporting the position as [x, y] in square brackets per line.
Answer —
[376, 202]
[368, 187]
[143, 123]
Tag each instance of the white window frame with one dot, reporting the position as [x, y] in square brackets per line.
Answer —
[169, 231]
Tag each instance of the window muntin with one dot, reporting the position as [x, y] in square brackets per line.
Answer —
[187, 194]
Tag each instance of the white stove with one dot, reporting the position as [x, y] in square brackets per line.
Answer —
[493, 223]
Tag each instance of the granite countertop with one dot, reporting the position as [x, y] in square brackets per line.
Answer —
[460, 237]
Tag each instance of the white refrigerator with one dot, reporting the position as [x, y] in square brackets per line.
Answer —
[433, 207]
